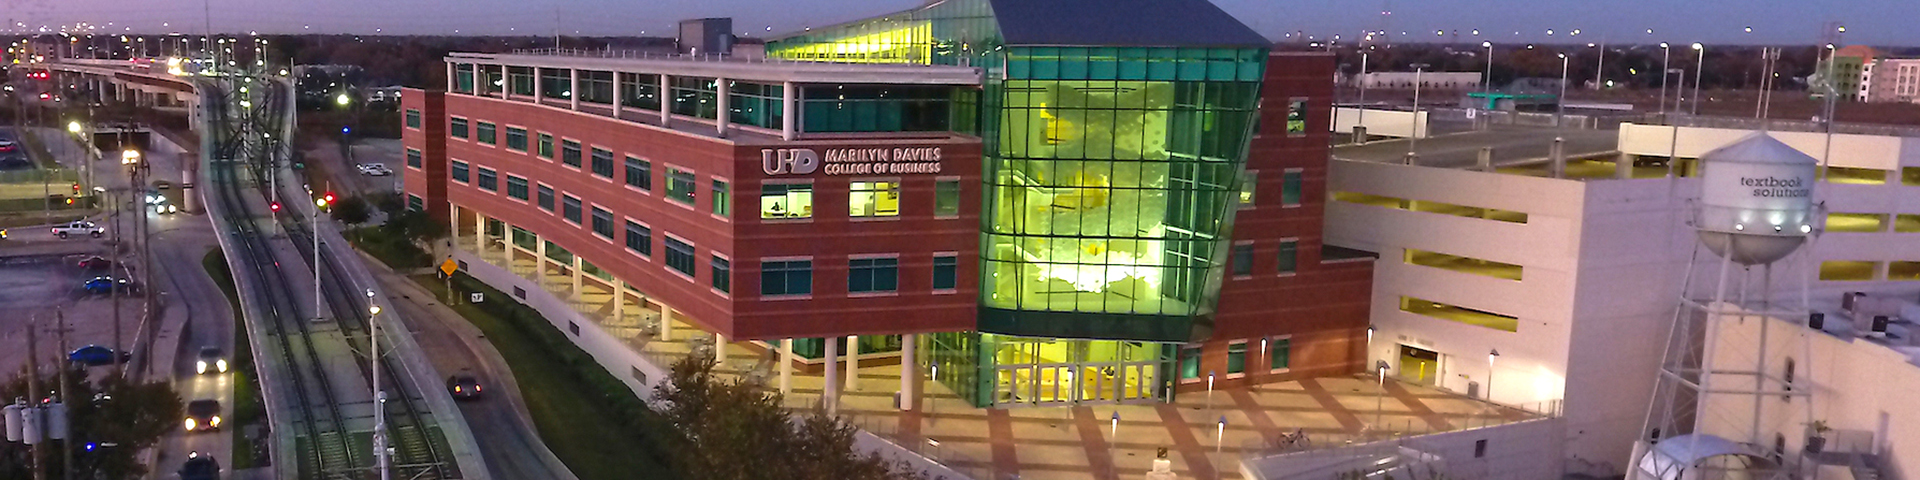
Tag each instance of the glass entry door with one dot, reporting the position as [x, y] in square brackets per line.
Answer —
[1036, 371]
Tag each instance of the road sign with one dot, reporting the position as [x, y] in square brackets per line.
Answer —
[476, 297]
[449, 267]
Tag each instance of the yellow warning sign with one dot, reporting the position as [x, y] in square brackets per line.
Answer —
[449, 267]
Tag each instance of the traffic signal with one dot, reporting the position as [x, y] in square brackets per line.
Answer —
[275, 206]
[329, 197]
[76, 187]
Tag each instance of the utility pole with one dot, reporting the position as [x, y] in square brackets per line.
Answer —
[33, 395]
[66, 445]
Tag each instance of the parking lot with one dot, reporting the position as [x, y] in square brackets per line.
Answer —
[36, 285]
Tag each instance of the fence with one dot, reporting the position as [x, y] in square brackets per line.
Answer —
[1501, 448]
[888, 428]
[1493, 415]
[1785, 125]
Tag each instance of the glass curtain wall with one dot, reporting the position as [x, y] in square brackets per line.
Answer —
[988, 369]
[522, 80]
[640, 91]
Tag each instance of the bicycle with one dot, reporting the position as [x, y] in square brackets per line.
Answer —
[1295, 441]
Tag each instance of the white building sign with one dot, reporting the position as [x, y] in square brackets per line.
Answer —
[852, 161]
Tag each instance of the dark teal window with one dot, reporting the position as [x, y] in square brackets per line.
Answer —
[522, 80]
[413, 158]
[1280, 353]
[546, 146]
[640, 174]
[413, 118]
[556, 83]
[603, 223]
[680, 185]
[679, 256]
[640, 91]
[546, 198]
[869, 275]
[516, 187]
[570, 153]
[945, 272]
[489, 180]
[603, 163]
[517, 139]
[570, 208]
[1289, 255]
[639, 239]
[1189, 363]
[1242, 259]
[1237, 358]
[485, 132]
[1290, 188]
[793, 277]
[722, 274]
[457, 127]
[459, 171]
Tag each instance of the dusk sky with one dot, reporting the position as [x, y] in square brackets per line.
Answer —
[1876, 22]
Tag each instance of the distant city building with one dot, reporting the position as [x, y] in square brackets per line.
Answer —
[1894, 80]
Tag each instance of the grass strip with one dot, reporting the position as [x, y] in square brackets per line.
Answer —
[247, 409]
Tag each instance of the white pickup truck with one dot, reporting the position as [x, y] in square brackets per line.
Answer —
[79, 228]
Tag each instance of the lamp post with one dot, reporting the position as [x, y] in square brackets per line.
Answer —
[1560, 109]
[1379, 397]
[1600, 69]
[1361, 120]
[1492, 355]
[313, 218]
[1413, 134]
[1486, 83]
[1666, 69]
[1701, 50]
[135, 163]
[381, 459]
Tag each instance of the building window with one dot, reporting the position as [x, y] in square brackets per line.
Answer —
[1290, 188]
[1248, 183]
[489, 180]
[722, 203]
[570, 208]
[1242, 259]
[517, 139]
[570, 153]
[546, 198]
[786, 278]
[946, 198]
[865, 275]
[1280, 353]
[457, 127]
[679, 256]
[1237, 358]
[415, 203]
[640, 174]
[874, 199]
[1289, 256]
[786, 200]
[413, 118]
[516, 187]
[639, 239]
[485, 132]
[603, 163]
[603, 223]
[1190, 363]
[459, 171]
[680, 185]
[546, 146]
[413, 158]
[722, 274]
[946, 272]
[1297, 117]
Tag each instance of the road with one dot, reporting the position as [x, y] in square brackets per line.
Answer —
[500, 420]
[1511, 144]
[346, 179]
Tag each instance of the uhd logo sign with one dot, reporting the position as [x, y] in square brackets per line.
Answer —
[789, 161]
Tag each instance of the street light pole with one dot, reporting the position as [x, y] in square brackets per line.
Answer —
[1666, 70]
[1486, 83]
[1698, 69]
[1413, 134]
[1361, 120]
[381, 459]
[1560, 109]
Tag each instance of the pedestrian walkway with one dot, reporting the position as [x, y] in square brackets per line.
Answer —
[1205, 433]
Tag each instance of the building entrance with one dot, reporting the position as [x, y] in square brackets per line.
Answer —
[1419, 365]
[1033, 371]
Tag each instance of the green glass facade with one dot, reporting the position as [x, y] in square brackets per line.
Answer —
[1109, 176]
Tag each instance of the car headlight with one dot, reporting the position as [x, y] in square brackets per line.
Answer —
[190, 424]
[222, 364]
[214, 422]
[200, 366]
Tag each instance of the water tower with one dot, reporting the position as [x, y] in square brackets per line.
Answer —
[1754, 211]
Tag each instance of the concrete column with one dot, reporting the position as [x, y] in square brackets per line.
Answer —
[450, 79]
[617, 94]
[853, 362]
[666, 323]
[453, 223]
[1623, 166]
[1486, 159]
[575, 293]
[1359, 133]
[619, 300]
[719, 348]
[507, 246]
[1557, 155]
[830, 393]
[787, 112]
[573, 95]
[909, 372]
[666, 97]
[506, 83]
[538, 92]
[479, 233]
[721, 116]
[539, 261]
[786, 366]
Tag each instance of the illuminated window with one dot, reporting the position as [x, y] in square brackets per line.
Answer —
[1248, 183]
[873, 199]
[680, 185]
[546, 146]
[722, 199]
[1847, 270]
[1856, 222]
[1456, 313]
[1865, 176]
[786, 200]
[1903, 271]
[1297, 117]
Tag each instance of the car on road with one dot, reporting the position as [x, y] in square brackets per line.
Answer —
[202, 415]
[199, 467]
[8, 146]
[463, 386]
[95, 355]
[104, 285]
[374, 169]
[211, 360]
[3, 234]
[79, 228]
[94, 262]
